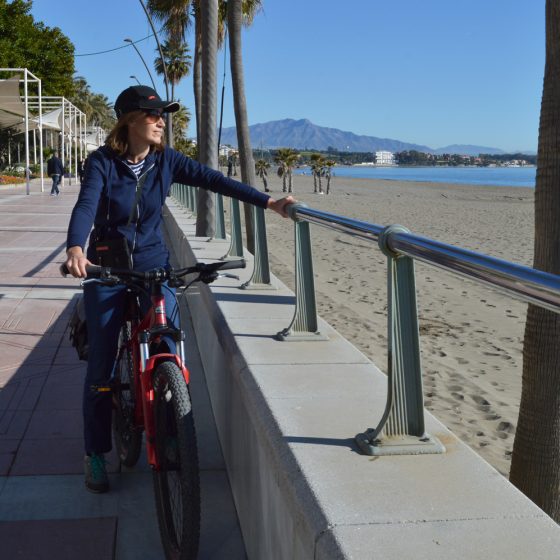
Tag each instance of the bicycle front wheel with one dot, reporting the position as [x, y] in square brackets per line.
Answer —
[127, 436]
[176, 483]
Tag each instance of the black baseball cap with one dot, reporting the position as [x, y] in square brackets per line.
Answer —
[135, 98]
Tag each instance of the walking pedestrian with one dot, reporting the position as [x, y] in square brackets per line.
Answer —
[55, 169]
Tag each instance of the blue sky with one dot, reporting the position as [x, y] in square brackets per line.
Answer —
[436, 72]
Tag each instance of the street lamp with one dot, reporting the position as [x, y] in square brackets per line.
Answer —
[127, 40]
[135, 78]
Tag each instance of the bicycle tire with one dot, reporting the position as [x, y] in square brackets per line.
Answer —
[177, 483]
[126, 435]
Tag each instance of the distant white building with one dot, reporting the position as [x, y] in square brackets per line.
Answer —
[226, 150]
[384, 158]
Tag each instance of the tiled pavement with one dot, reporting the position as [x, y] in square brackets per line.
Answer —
[45, 512]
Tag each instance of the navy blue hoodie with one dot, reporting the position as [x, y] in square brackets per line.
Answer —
[108, 193]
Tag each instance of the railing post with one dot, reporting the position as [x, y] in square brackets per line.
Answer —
[260, 280]
[401, 429]
[236, 245]
[181, 195]
[194, 199]
[220, 221]
[304, 324]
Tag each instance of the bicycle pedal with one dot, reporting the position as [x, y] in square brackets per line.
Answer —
[101, 388]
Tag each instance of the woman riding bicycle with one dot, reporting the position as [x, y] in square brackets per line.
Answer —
[125, 186]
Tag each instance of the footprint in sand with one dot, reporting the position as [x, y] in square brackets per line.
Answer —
[480, 400]
[505, 427]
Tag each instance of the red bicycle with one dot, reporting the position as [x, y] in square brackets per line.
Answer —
[151, 393]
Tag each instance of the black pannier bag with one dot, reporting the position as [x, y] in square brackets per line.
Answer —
[78, 329]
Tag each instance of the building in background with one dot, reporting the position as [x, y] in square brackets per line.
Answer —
[384, 158]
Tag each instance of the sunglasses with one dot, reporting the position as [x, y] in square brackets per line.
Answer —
[153, 115]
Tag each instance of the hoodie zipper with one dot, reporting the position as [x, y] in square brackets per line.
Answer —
[138, 213]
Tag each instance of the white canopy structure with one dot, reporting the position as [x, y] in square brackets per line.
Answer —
[12, 108]
[62, 120]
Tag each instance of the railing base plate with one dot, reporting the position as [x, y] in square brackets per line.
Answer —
[256, 286]
[289, 336]
[402, 445]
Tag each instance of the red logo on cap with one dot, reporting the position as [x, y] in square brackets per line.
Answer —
[152, 97]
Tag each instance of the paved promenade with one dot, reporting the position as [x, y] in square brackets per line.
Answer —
[45, 511]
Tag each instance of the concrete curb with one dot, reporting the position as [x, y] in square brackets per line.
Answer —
[286, 414]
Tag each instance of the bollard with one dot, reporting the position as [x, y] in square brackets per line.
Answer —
[304, 324]
[401, 429]
[260, 279]
[236, 240]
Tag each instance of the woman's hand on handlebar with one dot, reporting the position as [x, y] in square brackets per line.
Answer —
[280, 205]
[76, 262]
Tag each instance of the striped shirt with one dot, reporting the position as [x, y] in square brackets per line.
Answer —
[136, 167]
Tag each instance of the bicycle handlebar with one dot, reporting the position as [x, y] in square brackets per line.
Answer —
[206, 271]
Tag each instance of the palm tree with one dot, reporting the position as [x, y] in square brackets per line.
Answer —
[82, 96]
[536, 449]
[177, 16]
[329, 164]
[317, 162]
[178, 62]
[103, 114]
[261, 167]
[96, 106]
[237, 10]
[287, 158]
[208, 145]
[181, 120]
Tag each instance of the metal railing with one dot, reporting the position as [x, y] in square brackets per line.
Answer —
[186, 196]
[401, 428]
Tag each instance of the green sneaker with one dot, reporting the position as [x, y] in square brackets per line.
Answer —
[96, 473]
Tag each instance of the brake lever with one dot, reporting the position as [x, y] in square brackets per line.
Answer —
[228, 275]
[104, 281]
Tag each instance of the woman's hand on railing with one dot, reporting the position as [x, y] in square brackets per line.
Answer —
[280, 205]
[76, 262]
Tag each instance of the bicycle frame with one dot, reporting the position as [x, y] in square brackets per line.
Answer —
[145, 331]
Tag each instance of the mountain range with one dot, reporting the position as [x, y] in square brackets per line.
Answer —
[303, 134]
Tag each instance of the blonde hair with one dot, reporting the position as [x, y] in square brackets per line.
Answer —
[118, 137]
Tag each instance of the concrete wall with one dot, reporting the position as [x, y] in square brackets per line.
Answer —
[287, 413]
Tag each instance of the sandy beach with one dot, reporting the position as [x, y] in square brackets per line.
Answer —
[471, 336]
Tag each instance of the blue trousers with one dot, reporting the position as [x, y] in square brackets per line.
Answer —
[105, 308]
[55, 183]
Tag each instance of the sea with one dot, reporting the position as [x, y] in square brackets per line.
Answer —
[484, 176]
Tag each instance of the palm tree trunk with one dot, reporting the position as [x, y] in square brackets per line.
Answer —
[290, 181]
[197, 71]
[535, 467]
[247, 164]
[208, 147]
[314, 182]
[328, 183]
